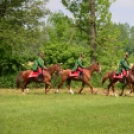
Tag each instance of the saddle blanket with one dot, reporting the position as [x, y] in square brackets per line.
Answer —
[119, 76]
[76, 73]
[33, 74]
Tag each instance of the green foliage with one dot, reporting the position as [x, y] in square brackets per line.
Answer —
[20, 33]
[8, 81]
[64, 53]
[23, 34]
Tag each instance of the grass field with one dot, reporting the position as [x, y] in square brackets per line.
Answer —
[63, 113]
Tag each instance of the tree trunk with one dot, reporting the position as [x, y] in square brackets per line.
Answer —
[92, 29]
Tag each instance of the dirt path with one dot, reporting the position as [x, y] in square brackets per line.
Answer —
[98, 91]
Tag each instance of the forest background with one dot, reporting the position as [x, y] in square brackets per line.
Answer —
[28, 27]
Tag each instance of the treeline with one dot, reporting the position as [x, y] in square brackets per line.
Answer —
[28, 27]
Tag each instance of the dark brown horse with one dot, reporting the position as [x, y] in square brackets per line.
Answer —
[113, 80]
[87, 73]
[47, 76]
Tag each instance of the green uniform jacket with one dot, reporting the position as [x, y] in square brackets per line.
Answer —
[78, 64]
[39, 63]
[123, 65]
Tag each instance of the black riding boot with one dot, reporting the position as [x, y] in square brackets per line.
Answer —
[81, 75]
[72, 72]
[125, 81]
[40, 76]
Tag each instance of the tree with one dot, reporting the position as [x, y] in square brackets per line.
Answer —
[92, 27]
[93, 19]
[20, 29]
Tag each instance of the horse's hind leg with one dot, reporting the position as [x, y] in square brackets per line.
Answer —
[83, 84]
[23, 87]
[59, 85]
[114, 90]
[68, 86]
[92, 91]
[108, 88]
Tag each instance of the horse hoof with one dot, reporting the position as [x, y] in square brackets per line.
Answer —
[57, 91]
[128, 93]
[27, 90]
[71, 91]
[116, 95]
[92, 92]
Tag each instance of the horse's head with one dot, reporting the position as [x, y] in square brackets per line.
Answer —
[58, 67]
[97, 67]
[55, 68]
[132, 68]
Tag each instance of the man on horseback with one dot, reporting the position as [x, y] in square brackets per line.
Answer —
[39, 66]
[123, 67]
[78, 66]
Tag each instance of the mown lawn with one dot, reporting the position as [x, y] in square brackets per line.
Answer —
[37, 113]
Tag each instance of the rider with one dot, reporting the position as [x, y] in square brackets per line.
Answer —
[39, 65]
[79, 65]
[123, 66]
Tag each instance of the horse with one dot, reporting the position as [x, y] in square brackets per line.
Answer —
[87, 73]
[47, 76]
[113, 80]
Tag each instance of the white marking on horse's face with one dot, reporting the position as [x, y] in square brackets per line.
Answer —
[99, 71]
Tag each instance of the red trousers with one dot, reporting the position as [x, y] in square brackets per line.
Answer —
[40, 70]
[124, 72]
[80, 69]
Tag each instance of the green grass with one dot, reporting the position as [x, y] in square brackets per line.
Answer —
[37, 113]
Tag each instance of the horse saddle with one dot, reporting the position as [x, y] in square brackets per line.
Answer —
[35, 73]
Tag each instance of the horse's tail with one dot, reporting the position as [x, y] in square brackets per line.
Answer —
[105, 77]
[18, 80]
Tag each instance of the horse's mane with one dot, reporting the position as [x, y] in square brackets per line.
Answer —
[89, 67]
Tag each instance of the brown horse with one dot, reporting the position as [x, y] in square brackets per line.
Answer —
[113, 80]
[47, 76]
[87, 73]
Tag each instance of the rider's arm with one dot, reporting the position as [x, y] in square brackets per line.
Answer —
[124, 64]
[40, 62]
[79, 62]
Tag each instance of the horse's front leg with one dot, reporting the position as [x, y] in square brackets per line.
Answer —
[122, 91]
[46, 87]
[131, 88]
[92, 91]
[83, 84]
